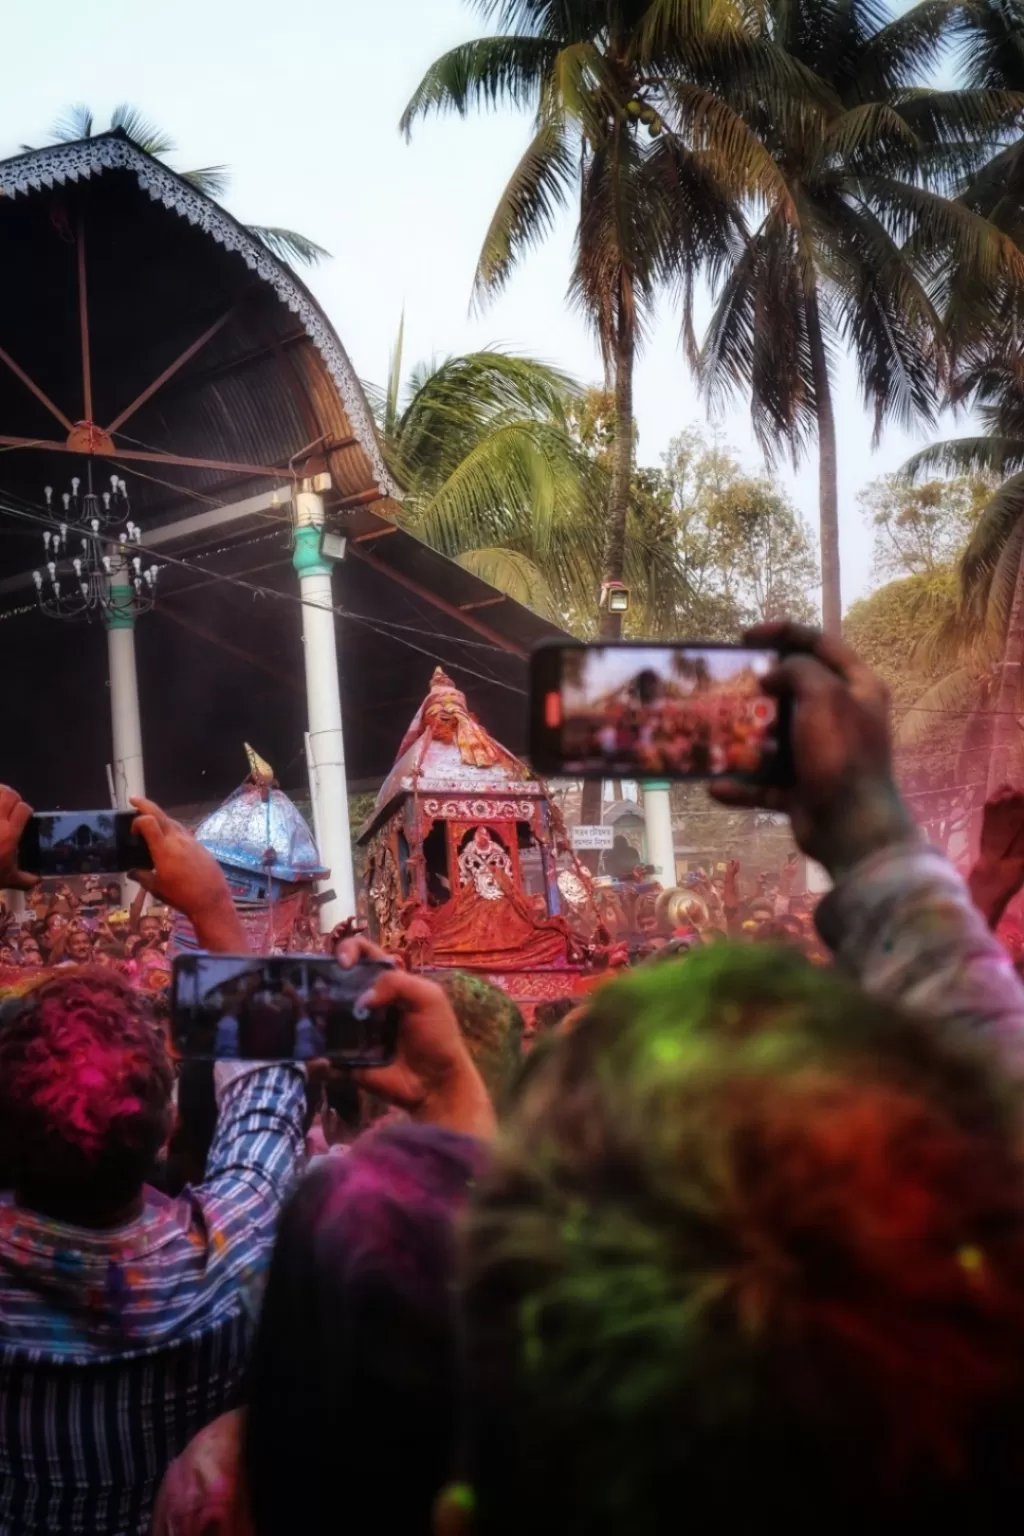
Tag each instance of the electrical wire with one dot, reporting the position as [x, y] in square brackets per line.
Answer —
[377, 626]
[44, 519]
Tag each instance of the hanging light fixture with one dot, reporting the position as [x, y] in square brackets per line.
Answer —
[93, 566]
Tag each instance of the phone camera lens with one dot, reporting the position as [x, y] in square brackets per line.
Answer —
[361, 1012]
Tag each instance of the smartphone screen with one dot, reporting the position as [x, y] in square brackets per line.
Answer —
[63, 843]
[278, 1008]
[643, 711]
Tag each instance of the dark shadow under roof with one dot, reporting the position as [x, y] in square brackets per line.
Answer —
[268, 395]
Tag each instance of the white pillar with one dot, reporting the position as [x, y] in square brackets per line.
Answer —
[658, 828]
[328, 784]
[129, 776]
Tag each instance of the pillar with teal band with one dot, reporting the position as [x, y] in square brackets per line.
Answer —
[328, 782]
[658, 829]
[127, 765]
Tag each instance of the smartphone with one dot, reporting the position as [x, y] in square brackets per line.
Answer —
[635, 710]
[63, 843]
[279, 1008]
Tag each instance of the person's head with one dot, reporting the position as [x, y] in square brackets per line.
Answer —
[355, 1359]
[548, 1016]
[112, 894]
[491, 1025]
[29, 951]
[78, 947]
[108, 956]
[85, 1088]
[150, 929]
[8, 954]
[55, 921]
[753, 1247]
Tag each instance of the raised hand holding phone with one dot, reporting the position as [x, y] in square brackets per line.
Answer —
[15, 816]
[187, 877]
[842, 802]
[643, 711]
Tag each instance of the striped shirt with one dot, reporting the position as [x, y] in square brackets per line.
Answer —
[117, 1347]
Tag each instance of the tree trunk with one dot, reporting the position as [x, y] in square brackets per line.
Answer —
[828, 472]
[622, 471]
[591, 806]
[1004, 764]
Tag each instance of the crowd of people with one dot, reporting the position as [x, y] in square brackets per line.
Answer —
[84, 921]
[738, 1245]
[688, 726]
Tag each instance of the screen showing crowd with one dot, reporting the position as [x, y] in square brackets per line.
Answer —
[687, 713]
[273, 1009]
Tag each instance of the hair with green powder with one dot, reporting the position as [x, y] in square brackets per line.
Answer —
[751, 1257]
[491, 1025]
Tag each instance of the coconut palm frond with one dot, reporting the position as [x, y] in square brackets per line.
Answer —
[953, 694]
[1000, 523]
[965, 456]
[141, 131]
[211, 180]
[75, 123]
[514, 574]
[488, 72]
[288, 246]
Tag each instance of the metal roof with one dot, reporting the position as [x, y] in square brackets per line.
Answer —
[219, 380]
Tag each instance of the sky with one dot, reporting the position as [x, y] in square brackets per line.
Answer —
[302, 102]
[612, 668]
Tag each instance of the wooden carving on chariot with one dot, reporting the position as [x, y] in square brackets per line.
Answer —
[467, 864]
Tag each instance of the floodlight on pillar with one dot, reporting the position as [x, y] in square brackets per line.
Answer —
[615, 596]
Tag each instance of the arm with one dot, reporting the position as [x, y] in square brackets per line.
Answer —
[135, 910]
[999, 873]
[187, 877]
[257, 1147]
[903, 924]
[433, 1077]
[59, 945]
[900, 919]
[731, 899]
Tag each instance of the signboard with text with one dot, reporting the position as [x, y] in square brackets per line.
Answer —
[585, 839]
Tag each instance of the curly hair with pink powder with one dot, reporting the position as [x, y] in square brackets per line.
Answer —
[85, 1088]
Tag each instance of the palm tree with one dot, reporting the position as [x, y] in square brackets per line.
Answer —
[77, 122]
[493, 474]
[984, 326]
[848, 250]
[631, 128]
[987, 633]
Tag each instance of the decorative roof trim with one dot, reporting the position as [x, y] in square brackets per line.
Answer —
[60, 163]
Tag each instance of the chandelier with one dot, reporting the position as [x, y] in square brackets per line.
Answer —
[93, 567]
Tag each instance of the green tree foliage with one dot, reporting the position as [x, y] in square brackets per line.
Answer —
[633, 131]
[850, 247]
[484, 450]
[745, 552]
[925, 528]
